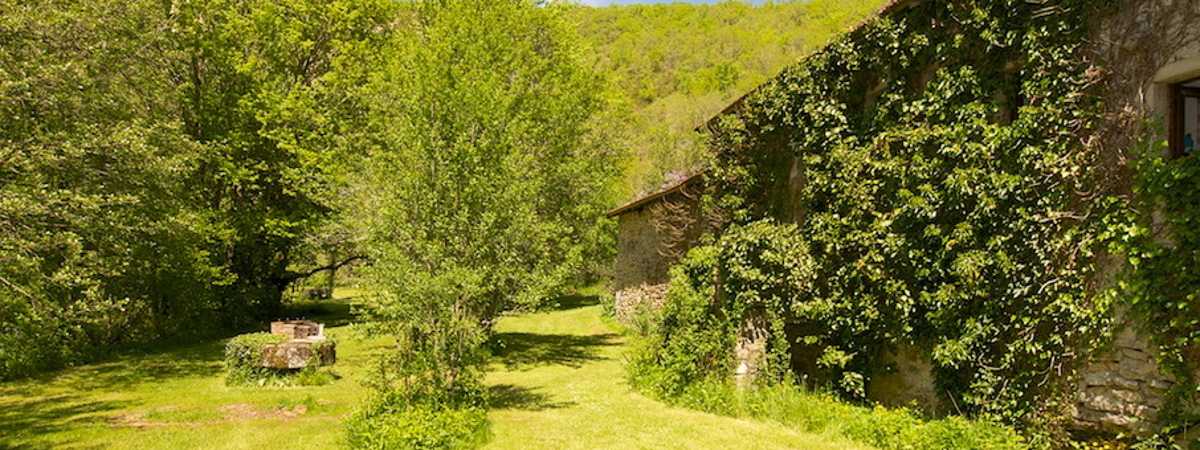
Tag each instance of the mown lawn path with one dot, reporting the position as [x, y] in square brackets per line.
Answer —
[558, 382]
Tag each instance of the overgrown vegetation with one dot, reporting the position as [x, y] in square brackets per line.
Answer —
[162, 162]
[485, 191]
[244, 355]
[244, 363]
[747, 279]
[750, 278]
[945, 202]
[398, 423]
[1161, 242]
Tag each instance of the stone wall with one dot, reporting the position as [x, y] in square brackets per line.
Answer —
[650, 239]
[1140, 48]
[638, 260]
[631, 301]
[1122, 389]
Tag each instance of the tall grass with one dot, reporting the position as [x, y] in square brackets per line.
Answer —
[814, 412]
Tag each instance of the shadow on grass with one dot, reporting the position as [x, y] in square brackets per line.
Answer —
[572, 302]
[525, 350]
[23, 423]
[332, 313]
[121, 372]
[33, 408]
[508, 396]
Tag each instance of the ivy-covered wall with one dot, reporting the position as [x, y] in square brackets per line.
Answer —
[962, 174]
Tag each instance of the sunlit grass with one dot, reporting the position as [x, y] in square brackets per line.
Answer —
[556, 382]
[177, 398]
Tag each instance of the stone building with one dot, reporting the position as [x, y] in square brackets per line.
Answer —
[1150, 52]
[654, 231]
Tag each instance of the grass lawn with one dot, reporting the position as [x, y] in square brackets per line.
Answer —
[557, 382]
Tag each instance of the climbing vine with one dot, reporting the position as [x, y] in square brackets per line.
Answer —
[931, 159]
[1161, 240]
[745, 280]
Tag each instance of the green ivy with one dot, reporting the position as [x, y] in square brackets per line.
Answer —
[946, 198]
[760, 267]
[1161, 240]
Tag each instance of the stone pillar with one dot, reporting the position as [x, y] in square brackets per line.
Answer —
[750, 351]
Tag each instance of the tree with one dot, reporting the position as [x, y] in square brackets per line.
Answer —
[160, 162]
[266, 89]
[677, 65]
[487, 182]
[97, 245]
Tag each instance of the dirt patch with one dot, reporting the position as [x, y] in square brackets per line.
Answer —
[236, 412]
[243, 411]
[134, 420]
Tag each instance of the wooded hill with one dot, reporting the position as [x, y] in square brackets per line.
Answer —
[675, 65]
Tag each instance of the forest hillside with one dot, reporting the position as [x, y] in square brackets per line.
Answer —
[675, 65]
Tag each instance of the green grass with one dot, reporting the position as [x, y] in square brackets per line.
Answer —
[557, 382]
[177, 398]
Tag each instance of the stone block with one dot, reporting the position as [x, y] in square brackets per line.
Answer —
[296, 329]
[297, 354]
[1104, 400]
[1138, 369]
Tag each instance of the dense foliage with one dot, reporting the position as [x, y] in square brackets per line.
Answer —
[675, 65]
[1162, 245]
[386, 422]
[162, 162]
[929, 159]
[484, 191]
[747, 279]
[97, 247]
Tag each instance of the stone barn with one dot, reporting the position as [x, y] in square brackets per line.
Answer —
[1149, 55]
[654, 231]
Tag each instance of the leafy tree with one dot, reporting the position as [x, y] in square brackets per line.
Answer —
[486, 185]
[95, 239]
[160, 162]
[265, 89]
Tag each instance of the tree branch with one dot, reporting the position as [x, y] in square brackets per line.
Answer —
[293, 276]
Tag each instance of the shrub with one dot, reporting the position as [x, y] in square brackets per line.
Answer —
[391, 421]
[243, 359]
[763, 269]
[762, 272]
[243, 363]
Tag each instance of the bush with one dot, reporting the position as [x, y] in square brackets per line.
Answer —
[391, 422]
[243, 359]
[763, 270]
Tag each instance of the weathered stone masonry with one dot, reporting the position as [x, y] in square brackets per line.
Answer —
[654, 232]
